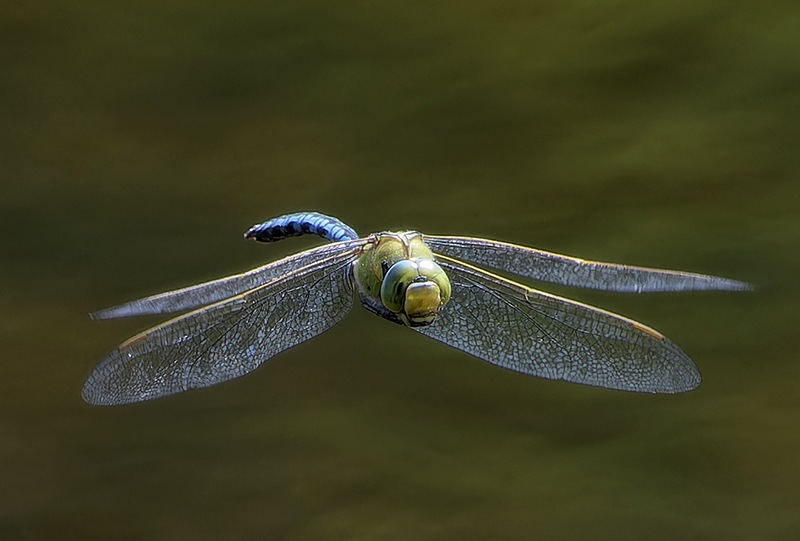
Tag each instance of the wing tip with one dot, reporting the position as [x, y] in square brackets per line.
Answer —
[98, 315]
[689, 382]
[114, 312]
[737, 285]
[90, 394]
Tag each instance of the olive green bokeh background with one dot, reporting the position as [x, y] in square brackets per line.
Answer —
[139, 140]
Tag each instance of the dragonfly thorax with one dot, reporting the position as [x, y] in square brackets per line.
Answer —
[399, 280]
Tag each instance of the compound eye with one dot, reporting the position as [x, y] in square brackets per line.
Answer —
[395, 283]
[433, 272]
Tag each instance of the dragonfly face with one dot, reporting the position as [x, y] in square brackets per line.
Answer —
[399, 280]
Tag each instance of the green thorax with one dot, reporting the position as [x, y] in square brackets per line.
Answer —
[399, 280]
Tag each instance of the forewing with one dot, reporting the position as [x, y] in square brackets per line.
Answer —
[539, 334]
[191, 297]
[227, 339]
[571, 271]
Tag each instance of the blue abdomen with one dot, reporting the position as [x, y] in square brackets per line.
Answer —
[301, 223]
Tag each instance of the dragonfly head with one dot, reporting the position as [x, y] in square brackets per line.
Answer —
[399, 280]
[415, 289]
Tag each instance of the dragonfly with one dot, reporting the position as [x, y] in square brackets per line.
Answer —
[438, 286]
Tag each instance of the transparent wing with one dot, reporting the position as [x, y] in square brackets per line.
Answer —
[571, 271]
[198, 295]
[227, 339]
[539, 334]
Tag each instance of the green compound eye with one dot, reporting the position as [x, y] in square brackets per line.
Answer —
[395, 283]
[415, 289]
[434, 273]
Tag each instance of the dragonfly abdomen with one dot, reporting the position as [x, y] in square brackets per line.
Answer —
[301, 223]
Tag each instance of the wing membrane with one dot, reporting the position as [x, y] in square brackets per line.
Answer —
[543, 335]
[227, 339]
[571, 271]
[198, 295]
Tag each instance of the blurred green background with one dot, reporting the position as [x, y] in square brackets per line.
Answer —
[138, 141]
